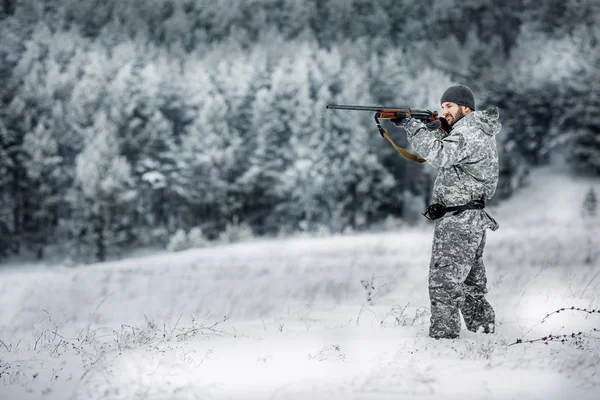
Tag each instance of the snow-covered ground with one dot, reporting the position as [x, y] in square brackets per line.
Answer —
[323, 318]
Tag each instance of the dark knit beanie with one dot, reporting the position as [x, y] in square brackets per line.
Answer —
[459, 94]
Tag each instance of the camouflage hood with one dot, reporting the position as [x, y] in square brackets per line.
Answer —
[488, 121]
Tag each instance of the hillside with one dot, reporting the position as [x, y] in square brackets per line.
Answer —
[337, 317]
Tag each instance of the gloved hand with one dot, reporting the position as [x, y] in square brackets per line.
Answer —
[401, 120]
[434, 125]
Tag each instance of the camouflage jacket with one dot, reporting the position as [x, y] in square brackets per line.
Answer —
[467, 160]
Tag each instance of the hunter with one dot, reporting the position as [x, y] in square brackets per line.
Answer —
[467, 163]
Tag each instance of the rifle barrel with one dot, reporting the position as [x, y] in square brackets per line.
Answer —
[363, 108]
[415, 112]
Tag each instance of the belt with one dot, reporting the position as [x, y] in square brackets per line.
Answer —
[436, 211]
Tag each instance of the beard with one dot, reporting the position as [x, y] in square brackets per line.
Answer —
[457, 117]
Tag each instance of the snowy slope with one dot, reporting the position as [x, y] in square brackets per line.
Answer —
[292, 319]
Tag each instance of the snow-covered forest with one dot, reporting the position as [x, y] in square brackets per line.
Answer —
[167, 123]
[149, 139]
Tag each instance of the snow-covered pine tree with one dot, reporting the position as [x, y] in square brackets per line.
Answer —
[590, 203]
[137, 101]
[580, 102]
[14, 32]
[103, 199]
[304, 131]
[241, 122]
[528, 90]
[388, 75]
[274, 115]
[560, 18]
[45, 184]
[6, 197]
[206, 161]
[352, 188]
[151, 111]
[152, 162]
[26, 97]
[238, 96]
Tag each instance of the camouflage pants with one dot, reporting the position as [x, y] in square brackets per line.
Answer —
[457, 281]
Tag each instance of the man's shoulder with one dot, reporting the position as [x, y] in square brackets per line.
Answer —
[469, 126]
[466, 130]
[484, 122]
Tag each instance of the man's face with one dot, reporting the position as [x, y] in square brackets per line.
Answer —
[453, 112]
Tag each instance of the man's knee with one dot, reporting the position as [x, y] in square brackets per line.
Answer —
[445, 292]
[449, 272]
[474, 289]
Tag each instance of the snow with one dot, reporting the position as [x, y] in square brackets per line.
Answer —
[291, 319]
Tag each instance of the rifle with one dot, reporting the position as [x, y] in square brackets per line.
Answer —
[392, 113]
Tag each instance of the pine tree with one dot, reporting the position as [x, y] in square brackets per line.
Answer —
[580, 102]
[352, 187]
[14, 32]
[305, 135]
[389, 74]
[528, 87]
[149, 107]
[152, 162]
[90, 16]
[590, 203]
[274, 117]
[104, 197]
[513, 169]
[560, 18]
[207, 161]
[6, 197]
[45, 184]
[8, 8]
[25, 100]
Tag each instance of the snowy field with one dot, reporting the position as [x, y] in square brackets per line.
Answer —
[323, 318]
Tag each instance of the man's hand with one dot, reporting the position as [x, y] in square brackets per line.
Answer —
[401, 120]
[434, 125]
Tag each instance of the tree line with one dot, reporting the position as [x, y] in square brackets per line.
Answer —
[123, 123]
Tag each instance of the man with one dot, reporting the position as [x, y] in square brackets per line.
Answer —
[467, 161]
